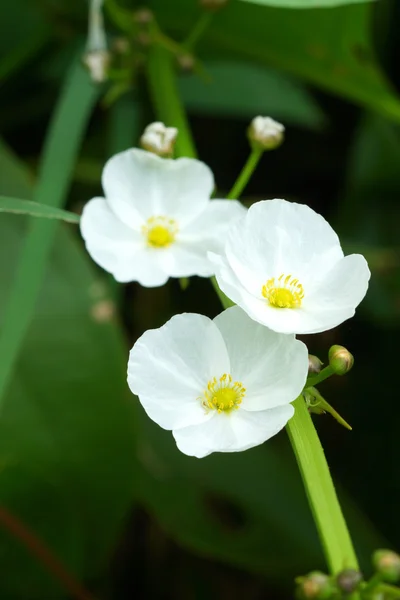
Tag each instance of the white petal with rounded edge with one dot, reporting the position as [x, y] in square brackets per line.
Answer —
[211, 226]
[234, 432]
[117, 248]
[139, 184]
[272, 367]
[169, 368]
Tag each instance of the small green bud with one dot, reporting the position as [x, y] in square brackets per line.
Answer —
[265, 134]
[314, 364]
[387, 564]
[186, 62]
[348, 580]
[314, 586]
[143, 16]
[340, 360]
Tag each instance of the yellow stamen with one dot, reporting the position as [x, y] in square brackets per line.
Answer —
[223, 395]
[284, 293]
[160, 231]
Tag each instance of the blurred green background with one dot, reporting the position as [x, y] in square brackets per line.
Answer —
[80, 463]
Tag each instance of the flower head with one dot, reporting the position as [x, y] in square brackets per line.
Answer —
[283, 264]
[156, 220]
[159, 139]
[265, 133]
[220, 386]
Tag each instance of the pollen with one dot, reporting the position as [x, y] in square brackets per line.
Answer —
[160, 231]
[223, 394]
[283, 292]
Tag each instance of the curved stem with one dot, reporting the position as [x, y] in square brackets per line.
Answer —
[245, 174]
[198, 30]
[43, 554]
[310, 456]
[321, 376]
[324, 503]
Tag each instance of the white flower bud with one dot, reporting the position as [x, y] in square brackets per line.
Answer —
[265, 133]
[159, 139]
[96, 58]
[97, 62]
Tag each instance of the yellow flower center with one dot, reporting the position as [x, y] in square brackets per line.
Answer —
[223, 394]
[160, 231]
[284, 292]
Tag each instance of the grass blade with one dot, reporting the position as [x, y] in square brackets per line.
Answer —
[61, 147]
[34, 209]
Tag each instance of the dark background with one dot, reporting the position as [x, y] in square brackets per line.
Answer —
[80, 463]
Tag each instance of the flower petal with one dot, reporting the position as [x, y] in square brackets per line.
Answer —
[262, 360]
[210, 227]
[139, 184]
[169, 369]
[234, 432]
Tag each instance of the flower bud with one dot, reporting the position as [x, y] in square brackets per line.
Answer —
[186, 62]
[340, 360]
[213, 4]
[143, 16]
[159, 139]
[348, 580]
[387, 564]
[265, 133]
[314, 586]
[314, 364]
[97, 63]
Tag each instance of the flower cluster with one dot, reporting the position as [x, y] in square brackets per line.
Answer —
[228, 384]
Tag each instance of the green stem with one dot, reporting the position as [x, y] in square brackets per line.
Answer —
[245, 174]
[198, 30]
[372, 583]
[306, 445]
[321, 376]
[166, 101]
[325, 507]
[389, 590]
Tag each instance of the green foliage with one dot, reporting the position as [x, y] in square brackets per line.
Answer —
[34, 209]
[330, 48]
[66, 427]
[305, 3]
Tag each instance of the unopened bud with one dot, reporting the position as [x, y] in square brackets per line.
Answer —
[348, 580]
[314, 586]
[159, 139]
[186, 62]
[265, 133]
[213, 4]
[97, 63]
[340, 360]
[143, 16]
[121, 45]
[314, 364]
[387, 564]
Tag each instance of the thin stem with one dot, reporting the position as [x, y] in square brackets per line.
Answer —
[372, 583]
[390, 590]
[321, 376]
[166, 101]
[43, 554]
[306, 445]
[198, 30]
[324, 503]
[245, 174]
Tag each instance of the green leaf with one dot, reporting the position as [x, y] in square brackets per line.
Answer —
[27, 207]
[246, 508]
[62, 143]
[330, 48]
[245, 90]
[67, 436]
[305, 3]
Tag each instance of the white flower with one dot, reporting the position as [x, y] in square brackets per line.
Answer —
[156, 220]
[159, 139]
[220, 386]
[265, 133]
[283, 264]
